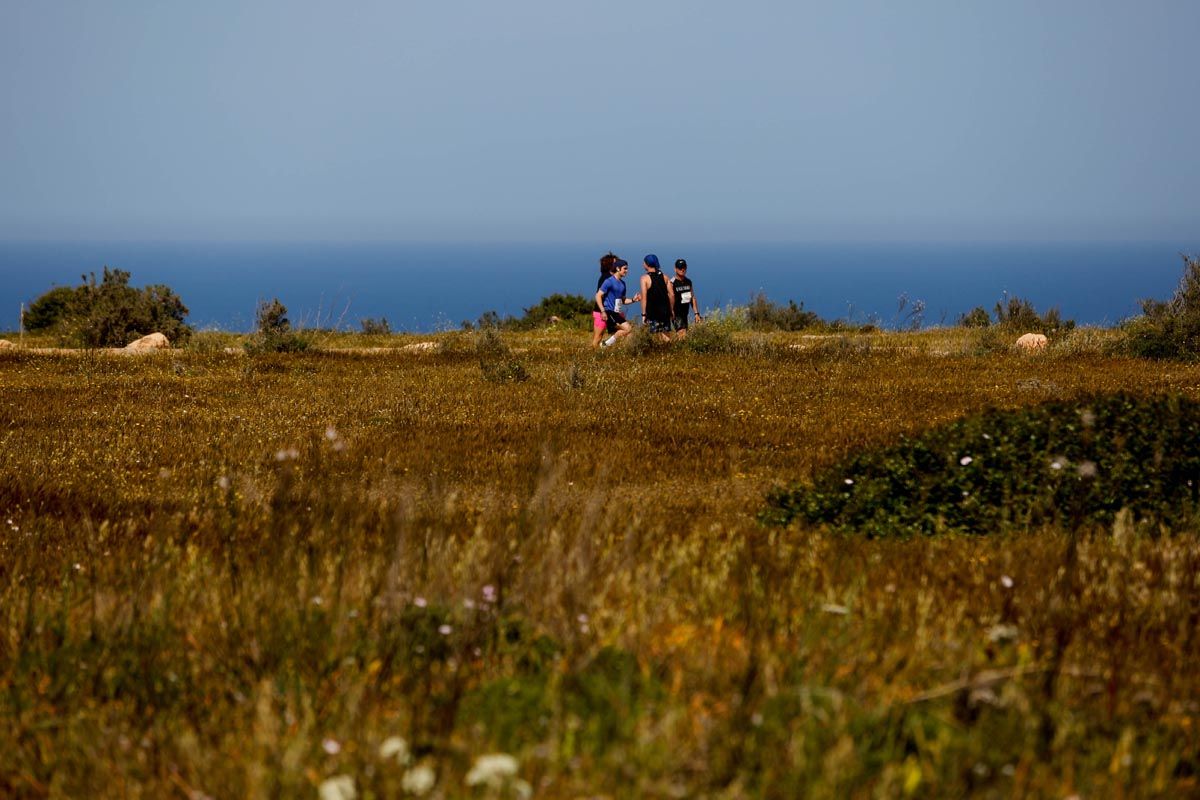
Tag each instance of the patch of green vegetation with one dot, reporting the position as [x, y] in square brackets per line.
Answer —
[1069, 463]
[1170, 329]
[109, 312]
[1018, 315]
[496, 361]
[375, 327]
[977, 317]
[275, 333]
[556, 308]
[765, 315]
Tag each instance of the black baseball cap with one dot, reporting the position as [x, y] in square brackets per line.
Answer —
[680, 264]
[620, 262]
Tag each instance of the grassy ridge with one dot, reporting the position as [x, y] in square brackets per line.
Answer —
[238, 576]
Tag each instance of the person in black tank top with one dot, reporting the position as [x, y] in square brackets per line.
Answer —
[658, 300]
[685, 299]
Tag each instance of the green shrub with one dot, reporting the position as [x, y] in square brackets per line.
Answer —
[51, 309]
[563, 307]
[1170, 329]
[977, 317]
[375, 327]
[548, 311]
[275, 334]
[109, 313]
[764, 315]
[1068, 462]
[714, 335]
[1017, 315]
[496, 361]
[641, 342]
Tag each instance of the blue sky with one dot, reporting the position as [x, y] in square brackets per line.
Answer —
[561, 120]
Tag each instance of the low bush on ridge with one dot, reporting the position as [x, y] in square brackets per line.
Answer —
[763, 315]
[275, 333]
[1171, 328]
[109, 312]
[496, 361]
[1071, 463]
[549, 310]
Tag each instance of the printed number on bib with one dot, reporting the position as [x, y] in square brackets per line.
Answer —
[685, 298]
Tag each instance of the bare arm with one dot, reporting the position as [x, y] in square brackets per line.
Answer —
[644, 292]
[600, 299]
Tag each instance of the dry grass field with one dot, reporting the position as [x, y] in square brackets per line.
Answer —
[230, 576]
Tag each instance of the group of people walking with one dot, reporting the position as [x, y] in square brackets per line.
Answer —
[666, 304]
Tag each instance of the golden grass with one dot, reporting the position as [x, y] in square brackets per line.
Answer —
[227, 576]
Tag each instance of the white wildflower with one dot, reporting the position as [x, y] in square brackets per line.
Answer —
[834, 608]
[331, 746]
[493, 770]
[444, 630]
[289, 454]
[489, 593]
[339, 787]
[468, 603]
[223, 483]
[1056, 464]
[1087, 469]
[395, 748]
[331, 433]
[849, 481]
[965, 460]
[1006, 581]
[419, 602]
[419, 780]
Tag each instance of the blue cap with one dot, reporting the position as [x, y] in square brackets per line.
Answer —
[652, 260]
[620, 262]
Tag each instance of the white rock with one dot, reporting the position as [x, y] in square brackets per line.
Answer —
[1031, 343]
[155, 341]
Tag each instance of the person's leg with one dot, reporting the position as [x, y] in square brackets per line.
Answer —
[613, 325]
[661, 330]
[681, 328]
[599, 324]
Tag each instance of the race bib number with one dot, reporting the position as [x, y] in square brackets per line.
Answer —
[685, 298]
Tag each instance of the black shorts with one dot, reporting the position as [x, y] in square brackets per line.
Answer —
[613, 320]
[658, 325]
[681, 322]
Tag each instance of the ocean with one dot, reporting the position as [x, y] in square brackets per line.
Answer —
[428, 287]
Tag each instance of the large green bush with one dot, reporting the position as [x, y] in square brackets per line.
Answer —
[51, 309]
[109, 312]
[1170, 329]
[1072, 463]
[550, 309]
[1017, 315]
[561, 306]
[765, 315]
